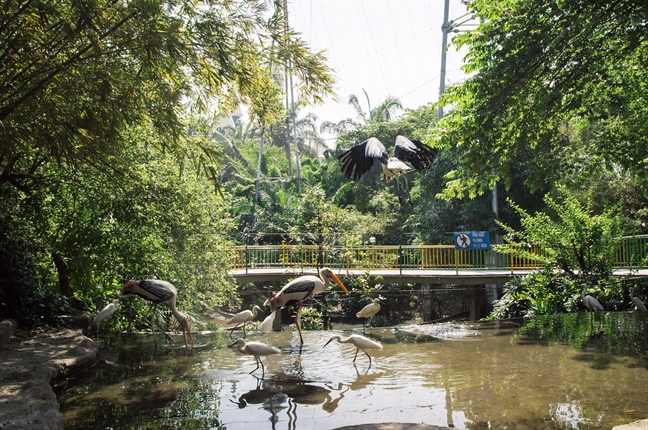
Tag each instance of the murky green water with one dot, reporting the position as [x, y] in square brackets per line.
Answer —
[578, 371]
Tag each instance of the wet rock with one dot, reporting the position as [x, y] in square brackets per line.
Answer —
[395, 426]
[30, 363]
[7, 329]
[637, 425]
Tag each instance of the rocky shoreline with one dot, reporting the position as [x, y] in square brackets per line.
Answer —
[31, 361]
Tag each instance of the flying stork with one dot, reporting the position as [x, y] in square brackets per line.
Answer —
[156, 292]
[300, 289]
[360, 158]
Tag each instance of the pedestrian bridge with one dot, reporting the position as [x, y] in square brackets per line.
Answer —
[429, 266]
[420, 264]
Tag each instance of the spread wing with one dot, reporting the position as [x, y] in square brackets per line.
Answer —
[414, 152]
[359, 159]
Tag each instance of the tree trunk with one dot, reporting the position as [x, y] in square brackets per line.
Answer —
[63, 273]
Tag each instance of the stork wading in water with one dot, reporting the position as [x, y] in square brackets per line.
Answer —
[359, 159]
[369, 311]
[243, 317]
[156, 292]
[300, 289]
[360, 342]
[257, 349]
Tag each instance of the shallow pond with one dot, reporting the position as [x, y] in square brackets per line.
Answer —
[576, 371]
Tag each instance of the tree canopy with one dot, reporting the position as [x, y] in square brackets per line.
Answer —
[74, 73]
[542, 76]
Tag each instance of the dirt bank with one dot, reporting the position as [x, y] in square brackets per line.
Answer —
[29, 363]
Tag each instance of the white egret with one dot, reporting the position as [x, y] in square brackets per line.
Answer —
[243, 318]
[106, 312]
[590, 302]
[257, 349]
[637, 302]
[360, 342]
[369, 311]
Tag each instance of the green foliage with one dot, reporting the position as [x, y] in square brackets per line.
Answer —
[24, 296]
[546, 80]
[76, 73]
[145, 220]
[311, 320]
[574, 240]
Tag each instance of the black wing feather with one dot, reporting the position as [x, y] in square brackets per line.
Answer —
[359, 159]
[415, 153]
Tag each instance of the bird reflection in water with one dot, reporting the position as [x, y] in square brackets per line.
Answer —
[362, 381]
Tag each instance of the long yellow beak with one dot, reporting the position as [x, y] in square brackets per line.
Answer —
[337, 281]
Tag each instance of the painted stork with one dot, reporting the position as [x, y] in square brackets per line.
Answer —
[156, 292]
[302, 288]
[360, 158]
[243, 318]
[360, 342]
[106, 312]
[590, 302]
[257, 349]
[369, 311]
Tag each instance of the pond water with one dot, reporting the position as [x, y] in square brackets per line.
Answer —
[575, 371]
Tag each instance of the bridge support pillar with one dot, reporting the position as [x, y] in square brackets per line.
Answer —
[472, 298]
[427, 303]
[276, 324]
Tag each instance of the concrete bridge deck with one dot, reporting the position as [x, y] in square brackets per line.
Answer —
[409, 276]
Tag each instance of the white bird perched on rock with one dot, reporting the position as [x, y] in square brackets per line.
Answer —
[369, 311]
[156, 292]
[302, 288]
[590, 302]
[243, 317]
[637, 301]
[106, 312]
[360, 342]
[257, 349]
[360, 158]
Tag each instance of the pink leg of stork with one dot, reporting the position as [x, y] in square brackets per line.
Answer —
[298, 321]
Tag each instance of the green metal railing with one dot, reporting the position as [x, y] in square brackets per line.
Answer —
[632, 253]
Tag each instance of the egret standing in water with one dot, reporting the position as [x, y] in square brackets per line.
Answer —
[300, 289]
[360, 342]
[257, 349]
[106, 312]
[590, 302]
[156, 292]
[243, 317]
[637, 301]
[369, 311]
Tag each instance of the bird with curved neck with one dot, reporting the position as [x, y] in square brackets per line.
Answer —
[243, 318]
[360, 342]
[590, 302]
[257, 349]
[637, 301]
[369, 311]
[156, 292]
[302, 288]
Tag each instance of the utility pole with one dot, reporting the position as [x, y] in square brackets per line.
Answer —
[445, 28]
[258, 177]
